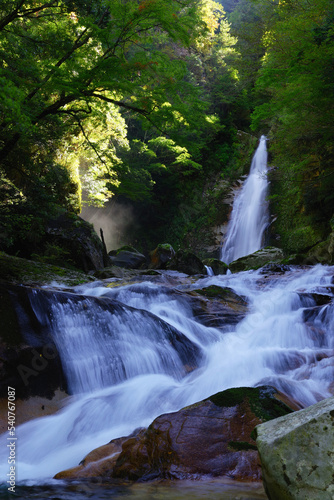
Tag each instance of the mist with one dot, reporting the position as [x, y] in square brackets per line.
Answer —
[116, 221]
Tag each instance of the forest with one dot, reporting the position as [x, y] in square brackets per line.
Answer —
[151, 103]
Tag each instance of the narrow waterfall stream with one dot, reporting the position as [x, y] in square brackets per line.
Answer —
[249, 217]
[134, 352]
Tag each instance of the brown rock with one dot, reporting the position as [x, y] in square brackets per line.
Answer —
[210, 438]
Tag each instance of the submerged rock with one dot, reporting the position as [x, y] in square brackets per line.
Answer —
[257, 259]
[297, 454]
[209, 438]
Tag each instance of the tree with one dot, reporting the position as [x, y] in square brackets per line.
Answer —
[297, 77]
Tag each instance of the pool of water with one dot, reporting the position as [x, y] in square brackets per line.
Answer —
[180, 490]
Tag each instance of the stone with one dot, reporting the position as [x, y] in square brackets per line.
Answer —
[257, 259]
[28, 272]
[186, 262]
[29, 360]
[322, 253]
[297, 454]
[161, 255]
[78, 238]
[128, 259]
[212, 438]
[218, 307]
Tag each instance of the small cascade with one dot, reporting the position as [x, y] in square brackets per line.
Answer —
[249, 217]
[209, 271]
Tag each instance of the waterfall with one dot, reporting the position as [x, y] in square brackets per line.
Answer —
[134, 352]
[249, 217]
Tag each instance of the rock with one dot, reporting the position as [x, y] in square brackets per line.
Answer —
[210, 438]
[78, 238]
[29, 358]
[219, 307]
[217, 266]
[297, 454]
[28, 272]
[186, 262]
[162, 254]
[128, 259]
[257, 259]
[322, 253]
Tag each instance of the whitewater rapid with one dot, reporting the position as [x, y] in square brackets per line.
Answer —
[126, 366]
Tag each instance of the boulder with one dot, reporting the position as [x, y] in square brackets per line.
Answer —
[186, 262]
[257, 259]
[297, 454]
[80, 243]
[217, 266]
[210, 438]
[128, 259]
[322, 253]
[161, 255]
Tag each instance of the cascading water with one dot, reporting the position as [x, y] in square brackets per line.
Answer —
[249, 217]
[134, 352]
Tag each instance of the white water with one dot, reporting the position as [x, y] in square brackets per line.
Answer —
[125, 371]
[249, 217]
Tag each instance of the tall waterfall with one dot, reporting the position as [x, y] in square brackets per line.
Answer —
[249, 217]
[134, 352]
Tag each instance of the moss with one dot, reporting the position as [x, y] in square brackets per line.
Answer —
[24, 271]
[214, 291]
[126, 248]
[262, 401]
[166, 247]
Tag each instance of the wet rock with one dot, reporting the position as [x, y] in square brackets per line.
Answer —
[217, 266]
[186, 262]
[297, 454]
[256, 260]
[161, 255]
[219, 307]
[210, 438]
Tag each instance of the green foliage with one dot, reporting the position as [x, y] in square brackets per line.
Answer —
[295, 98]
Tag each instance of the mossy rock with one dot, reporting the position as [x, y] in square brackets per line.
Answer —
[224, 294]
[257, 259]
[263, 401]
[78, 240]
[161, 256]
[322, 253]
[28, 272]
[186, 262]
[296, 453]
